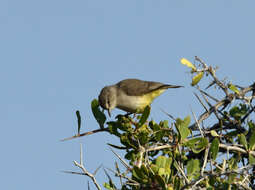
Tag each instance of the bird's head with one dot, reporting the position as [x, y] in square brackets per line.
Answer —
[108, 98]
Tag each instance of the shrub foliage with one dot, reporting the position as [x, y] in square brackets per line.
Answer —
[216, 151]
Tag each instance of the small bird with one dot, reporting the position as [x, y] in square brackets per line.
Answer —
[131, 95]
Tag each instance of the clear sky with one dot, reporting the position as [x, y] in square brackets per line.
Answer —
[56, 55]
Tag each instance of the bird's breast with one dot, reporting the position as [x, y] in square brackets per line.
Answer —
[136, 104]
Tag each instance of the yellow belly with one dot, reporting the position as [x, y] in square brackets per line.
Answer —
[148, 99]
[136, 104]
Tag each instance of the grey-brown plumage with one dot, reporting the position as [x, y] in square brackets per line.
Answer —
[136, 87]
[131, 95]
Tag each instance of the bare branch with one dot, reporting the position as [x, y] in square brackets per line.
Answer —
[235, 148]
[85, 134]
[210, 96]
[182, 172]
[201, 102]
[81, 166]
[205, 161]
[198, 125]
[124, 163]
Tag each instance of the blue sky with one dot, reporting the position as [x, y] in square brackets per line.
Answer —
[57, 55]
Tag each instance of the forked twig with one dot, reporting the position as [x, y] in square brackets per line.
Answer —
[84, 170]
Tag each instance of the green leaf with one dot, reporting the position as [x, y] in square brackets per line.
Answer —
[154, 168]
[233, 88]
[143, 137]
[145, 115]
[197, 144]
[186, 122]
[238, 111]
[163, 164]
[177, 183]
[243, 141]
[161, 171]
[192, 166]
[251, 125]
[252, 140]
[251, 159]
[161, 161]
[214, 149]
[231, 179]
[98, 114]
[197, 78]
[164, 124]
[113, 129]
[233, 163]
[125, 140]
[160, 181]
[212, 181]
[168, 165]
[144, 170]
[78, 120]
[182, 127]
[139, 174]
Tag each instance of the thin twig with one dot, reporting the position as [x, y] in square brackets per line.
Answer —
[169, 115]
[123, 176]
[205, 160]
[205, 93]
[205, 115]
[85, 134]
[84, 170]
[198, 125]
[124, 163]
[201, 102]
[182, 172]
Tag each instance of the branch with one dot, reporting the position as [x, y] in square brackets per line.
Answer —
[84, 170]
[87, 133]
[205, 161]
[182, 172]
[206, 114]
[211, 71]
[237, 149]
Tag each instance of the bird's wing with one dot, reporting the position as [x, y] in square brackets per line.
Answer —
[135, 87]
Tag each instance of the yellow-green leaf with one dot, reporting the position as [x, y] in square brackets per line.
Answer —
[188, 64]
[197, 78]
[233, 88]
[214, 133]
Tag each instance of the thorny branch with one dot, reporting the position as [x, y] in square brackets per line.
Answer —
[84, 170]
[208, 165]
[229, 97]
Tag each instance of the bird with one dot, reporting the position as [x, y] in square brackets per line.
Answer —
[131, 95]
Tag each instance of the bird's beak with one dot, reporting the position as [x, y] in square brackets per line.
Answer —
[109, 112]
